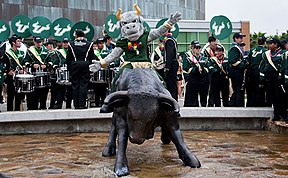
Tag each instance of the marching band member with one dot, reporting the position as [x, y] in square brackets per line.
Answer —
[157, 58]
[100, 89]
[219, 81]
[80, 55]
[37, 59]
[195, 69]
[61, 89]
[12, 59]
[52, 57]
[255, 95]
[236, 71]
[271, 76]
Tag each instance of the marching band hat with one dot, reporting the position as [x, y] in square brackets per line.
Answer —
[65, 40]
[194, 42]
[50, 41]
[219, 47]
[37, 39]
[238, 35]
[275, 41]
[99, 40]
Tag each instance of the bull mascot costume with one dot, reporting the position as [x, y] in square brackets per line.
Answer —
[140, 102]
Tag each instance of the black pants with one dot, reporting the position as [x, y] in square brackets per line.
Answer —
[61, 91]
[219, 84]
[237, 98]
[171, 80]
[12, 94]
[277, 95]
[38, 95]
[80, 77]
[100, 92]
[196, 84]
[52, 93]
[255, 95]
[1, 95]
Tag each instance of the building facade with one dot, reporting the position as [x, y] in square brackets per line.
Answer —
[95, 11]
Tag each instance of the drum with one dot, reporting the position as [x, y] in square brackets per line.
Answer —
[63, 76]
[24, 83]
[101, 76]
[42, 79]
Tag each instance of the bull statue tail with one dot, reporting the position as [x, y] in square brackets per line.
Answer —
[111, 99]
[165, 98]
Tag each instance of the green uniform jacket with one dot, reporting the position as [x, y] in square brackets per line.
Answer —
[235, 57]
[215, 67]
[267, 69]
[31, 59]
[190, 68]
[61, 57]
[285, 68]
[255, 57]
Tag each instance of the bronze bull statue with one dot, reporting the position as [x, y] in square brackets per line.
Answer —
[140, 104]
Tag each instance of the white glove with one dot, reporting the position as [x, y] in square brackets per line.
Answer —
[174, 18]
[95, 66]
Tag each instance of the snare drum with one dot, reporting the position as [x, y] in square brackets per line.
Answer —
[63, 76]
[24, 83]
[42, 79]
[101, 76]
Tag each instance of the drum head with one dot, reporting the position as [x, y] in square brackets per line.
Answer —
[26, 76]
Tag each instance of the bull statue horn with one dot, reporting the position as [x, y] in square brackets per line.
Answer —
[170, 100]
[138, 10]
[118, 14]
[117, 95]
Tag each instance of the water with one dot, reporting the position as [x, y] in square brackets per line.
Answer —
[222, 154]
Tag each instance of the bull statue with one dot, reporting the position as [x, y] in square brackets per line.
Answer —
[140, 104]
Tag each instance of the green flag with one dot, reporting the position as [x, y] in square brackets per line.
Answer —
[4, 30]
[40, 26]
[174, 30]
[20, 26]
[221, 27]
[61, 28]
[87, 28]
[110, 25]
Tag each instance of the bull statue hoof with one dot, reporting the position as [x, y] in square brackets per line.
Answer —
[190, 160]
[109, 151]
[121, 170]
[105, 109]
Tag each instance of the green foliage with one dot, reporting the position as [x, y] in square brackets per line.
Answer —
[254, 37]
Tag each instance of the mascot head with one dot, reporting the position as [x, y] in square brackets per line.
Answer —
[131, 24]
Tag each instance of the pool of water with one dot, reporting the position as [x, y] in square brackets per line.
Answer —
[221, 153]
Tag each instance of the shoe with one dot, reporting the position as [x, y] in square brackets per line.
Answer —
[81, 107]
[57, 106]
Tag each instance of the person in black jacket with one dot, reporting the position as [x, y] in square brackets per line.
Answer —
[79, 57]
[171, 66]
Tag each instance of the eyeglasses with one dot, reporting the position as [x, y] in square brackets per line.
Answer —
[197, 47]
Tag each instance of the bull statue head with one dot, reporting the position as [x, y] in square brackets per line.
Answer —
[131, 23]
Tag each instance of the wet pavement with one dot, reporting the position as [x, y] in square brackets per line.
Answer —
[221, 153]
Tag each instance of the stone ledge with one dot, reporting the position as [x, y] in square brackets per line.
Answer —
[90, 120]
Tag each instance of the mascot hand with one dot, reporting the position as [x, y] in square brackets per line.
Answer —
[174, 18]
[95, 66]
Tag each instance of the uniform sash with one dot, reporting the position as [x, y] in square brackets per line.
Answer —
[35, 54]
[267, 53]
[14, 57]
